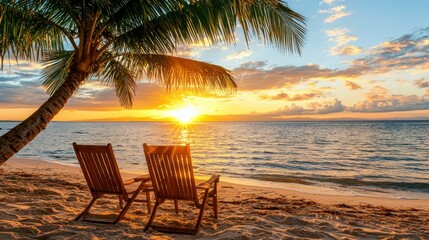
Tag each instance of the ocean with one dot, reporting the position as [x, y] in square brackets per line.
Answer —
[369, 158]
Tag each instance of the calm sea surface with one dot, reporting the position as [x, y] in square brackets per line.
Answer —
[381, 158]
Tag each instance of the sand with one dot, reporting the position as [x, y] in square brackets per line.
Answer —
[39, 200]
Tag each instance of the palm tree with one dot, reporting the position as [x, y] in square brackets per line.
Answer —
[120, 41]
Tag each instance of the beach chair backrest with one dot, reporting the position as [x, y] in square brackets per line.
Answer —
[171, 172]
[100, 169]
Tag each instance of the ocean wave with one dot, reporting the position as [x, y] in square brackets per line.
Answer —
[347, 182]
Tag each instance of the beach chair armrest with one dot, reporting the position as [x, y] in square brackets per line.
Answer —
[141, 178]
[207, 184]
[213, 179]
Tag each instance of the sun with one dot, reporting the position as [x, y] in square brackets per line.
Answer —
[185, 115]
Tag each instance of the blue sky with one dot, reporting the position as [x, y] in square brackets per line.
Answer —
[362, 59]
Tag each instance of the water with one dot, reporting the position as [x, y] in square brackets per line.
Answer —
[377, 158]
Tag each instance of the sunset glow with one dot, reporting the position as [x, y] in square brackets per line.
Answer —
[185, 115]
[346, 70]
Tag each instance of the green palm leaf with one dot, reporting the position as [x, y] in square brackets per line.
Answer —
[122, 79]
[216, 20]
[56, 70]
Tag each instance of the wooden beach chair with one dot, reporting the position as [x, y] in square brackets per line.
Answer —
[102, 175]
[172, 176]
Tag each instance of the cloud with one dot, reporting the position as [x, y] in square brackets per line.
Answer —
[403, 53]
[406, 52]
[253, 64]
[187, 52]
[241, 54]
[148, 96]
[421, 83]
[341, 38]
[249, 78]
[328, 107]
[345, 50]
[296, 97]
[313, 109]
[92, 96]
[336, 13]
[292, 110]
[380, 100]
[279, 96]
[22, 95]
[329, 2]
[352, 85]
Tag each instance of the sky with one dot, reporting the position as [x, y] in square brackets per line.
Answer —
[363, 59]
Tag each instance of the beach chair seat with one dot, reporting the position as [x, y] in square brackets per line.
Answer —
[101, 172]
[172, 178]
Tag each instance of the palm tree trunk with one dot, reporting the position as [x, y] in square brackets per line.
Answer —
[19, 136]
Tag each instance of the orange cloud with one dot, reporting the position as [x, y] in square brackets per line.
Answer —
[421, 83]
[295, 97]
[346, 50]
[352, 85]
[249, 78]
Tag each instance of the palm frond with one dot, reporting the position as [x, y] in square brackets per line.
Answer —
[28, 34]
[56, 70]
[176, 72]
[273, 22]
[121, 78]
[125, 15]
[216, 20]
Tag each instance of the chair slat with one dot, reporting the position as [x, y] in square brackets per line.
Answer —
[179, 177]
[111, 172]
[110, 183]
[186, 186]
[91, 170]
[98, 163]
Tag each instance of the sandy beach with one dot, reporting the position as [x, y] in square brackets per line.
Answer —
[39, 200]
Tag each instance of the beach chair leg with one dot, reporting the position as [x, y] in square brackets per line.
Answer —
[129, 202]
[94, 198]
[176, 207]
[200, 216]
[148, 202]
[121, 202]
[215, 203]
[152, 216]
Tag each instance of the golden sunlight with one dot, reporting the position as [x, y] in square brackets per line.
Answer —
[184, 115]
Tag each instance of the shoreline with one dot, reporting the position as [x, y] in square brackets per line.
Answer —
[295, 187]
[331, 198]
